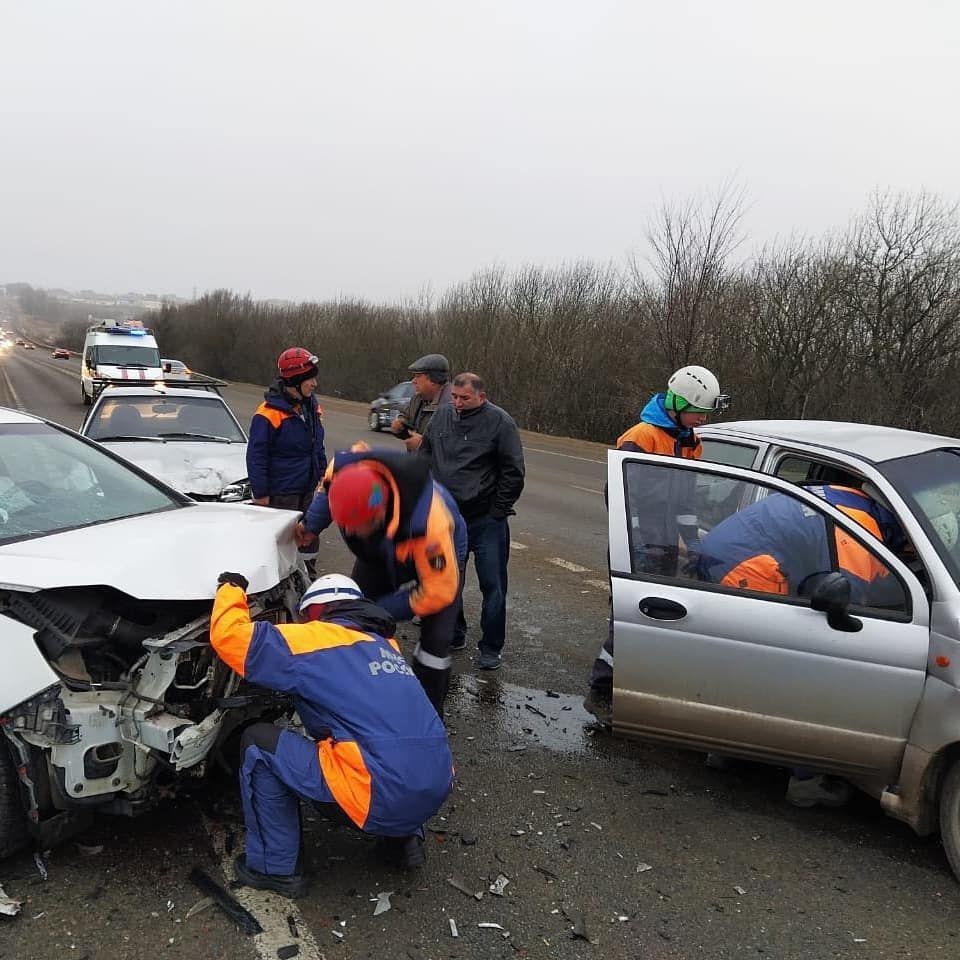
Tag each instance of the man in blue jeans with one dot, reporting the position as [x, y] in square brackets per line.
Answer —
[475, 452]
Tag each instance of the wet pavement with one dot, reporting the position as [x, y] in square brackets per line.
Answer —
[643, 851]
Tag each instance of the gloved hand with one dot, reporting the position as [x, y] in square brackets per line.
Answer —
[302, 536]
[237, 579]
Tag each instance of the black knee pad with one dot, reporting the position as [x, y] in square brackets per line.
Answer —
[262, 735]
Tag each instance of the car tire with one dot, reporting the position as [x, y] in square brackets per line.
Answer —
[14, 831]
[373, 421]
[950, 816]
[83, 394]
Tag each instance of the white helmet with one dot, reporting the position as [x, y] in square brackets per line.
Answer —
[330, 589]
[697, 390]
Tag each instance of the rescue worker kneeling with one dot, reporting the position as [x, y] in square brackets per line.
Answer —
[374, 745]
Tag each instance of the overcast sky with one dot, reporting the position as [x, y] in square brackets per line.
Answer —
[308, 149]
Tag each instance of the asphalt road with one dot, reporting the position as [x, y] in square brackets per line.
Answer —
[655, 854]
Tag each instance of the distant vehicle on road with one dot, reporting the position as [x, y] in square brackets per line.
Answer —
[60, 353]
[109, 686]
[20, 343]
[175, 368]
[117, 351]
[389, 405]
[29, 346]
[843, 653]
[186, 437]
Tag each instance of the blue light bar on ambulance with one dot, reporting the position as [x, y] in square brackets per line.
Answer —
[132, 328]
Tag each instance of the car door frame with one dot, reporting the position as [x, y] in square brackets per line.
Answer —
[853, 752]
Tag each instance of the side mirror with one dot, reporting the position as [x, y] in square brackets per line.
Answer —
[830, 594]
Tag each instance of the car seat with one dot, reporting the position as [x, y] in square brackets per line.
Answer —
[125, 421]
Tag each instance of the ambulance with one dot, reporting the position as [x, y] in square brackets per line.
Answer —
[117, 352]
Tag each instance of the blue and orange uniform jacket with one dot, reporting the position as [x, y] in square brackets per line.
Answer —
[285, 450]
[382, 748]
[772, 546]
[425, 539]
[662, 511]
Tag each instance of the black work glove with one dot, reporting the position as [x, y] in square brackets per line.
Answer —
[237, 579]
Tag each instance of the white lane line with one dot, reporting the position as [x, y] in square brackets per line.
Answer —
[569, 456]
[599, 584]
[567, 565]
[270, 909]
[585, 489]
[10, 390]
[515, 545]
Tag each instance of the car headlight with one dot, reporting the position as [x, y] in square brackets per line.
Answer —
[235, 492]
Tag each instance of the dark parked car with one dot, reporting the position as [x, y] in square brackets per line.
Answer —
[390, 404]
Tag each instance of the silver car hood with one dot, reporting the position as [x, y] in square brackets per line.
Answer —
[173, 555]
[202, 469]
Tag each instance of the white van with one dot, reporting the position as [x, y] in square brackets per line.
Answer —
[117, 351]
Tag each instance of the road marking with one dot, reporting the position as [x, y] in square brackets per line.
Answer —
[10, 390]
[585, 489]
[567, 565]
[569, 456]
[599, 584]
[270, 909]
[515, 545]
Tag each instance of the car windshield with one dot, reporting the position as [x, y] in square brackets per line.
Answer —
[195, 418]
[121, 355]
[930, 484]
[51, 481]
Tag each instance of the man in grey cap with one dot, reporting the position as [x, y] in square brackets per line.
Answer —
[431, 385]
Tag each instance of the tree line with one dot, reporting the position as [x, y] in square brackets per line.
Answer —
[860, 325]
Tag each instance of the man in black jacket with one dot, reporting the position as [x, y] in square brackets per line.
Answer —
[475, 452]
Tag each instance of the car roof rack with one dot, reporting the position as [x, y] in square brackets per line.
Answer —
[196, 381]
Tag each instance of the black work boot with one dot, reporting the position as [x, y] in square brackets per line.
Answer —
[291, 885]
[406, 852]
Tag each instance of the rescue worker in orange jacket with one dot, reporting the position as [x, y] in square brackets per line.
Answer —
[374, 744]
[410, 544]
[775, 544]
[667, 427]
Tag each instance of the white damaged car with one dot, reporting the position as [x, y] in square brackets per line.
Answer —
[109, 686]
[186, 437]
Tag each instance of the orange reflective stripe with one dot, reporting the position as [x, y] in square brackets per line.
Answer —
[346, 774]
[272, 414]
[309, 637]
[651, 439]
[435, 559]
[230, 626]
[865, 520]
[393, 643]
[761, 573]
[856, 559]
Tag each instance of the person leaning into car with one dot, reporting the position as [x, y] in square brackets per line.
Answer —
[431, 385]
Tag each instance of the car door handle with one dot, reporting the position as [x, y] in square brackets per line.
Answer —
[659, 608]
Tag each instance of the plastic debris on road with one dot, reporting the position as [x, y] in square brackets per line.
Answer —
[383, 902]
[90, 851]
[242, 917]
[453, 928]
[41, 867]
[643, 867]
[499, 885]
[287, 952]
[740, 890]
[459, 884]
[203, 904]
[8, 906]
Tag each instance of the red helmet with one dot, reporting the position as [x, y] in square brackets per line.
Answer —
[295, 362]
[357, 497]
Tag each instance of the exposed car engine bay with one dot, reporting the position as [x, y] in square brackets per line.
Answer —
[140, 696]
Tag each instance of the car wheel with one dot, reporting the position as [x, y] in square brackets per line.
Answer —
[950, 816]
[14, 833]
[83, 393]
[374, 421]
